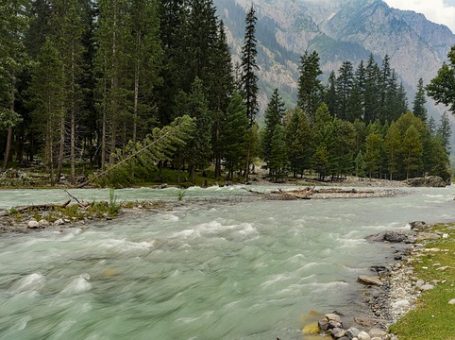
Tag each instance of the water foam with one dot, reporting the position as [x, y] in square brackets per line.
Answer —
[78, 285]
[30, 283]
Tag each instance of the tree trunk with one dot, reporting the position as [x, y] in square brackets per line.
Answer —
[9, 136]
[114, 86]
[73, 121]
[104, 126]
[61, 152]
[9, 142]
[136, 89]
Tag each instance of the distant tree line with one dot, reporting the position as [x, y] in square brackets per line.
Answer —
[358, 124]
[84, 83]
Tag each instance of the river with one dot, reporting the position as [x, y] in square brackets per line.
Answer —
[240, 269]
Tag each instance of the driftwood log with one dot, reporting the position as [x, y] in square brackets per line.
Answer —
[324, 193]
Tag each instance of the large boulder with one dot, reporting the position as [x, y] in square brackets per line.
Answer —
[393, 237]
[431, 181]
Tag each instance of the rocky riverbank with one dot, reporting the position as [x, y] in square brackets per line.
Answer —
[70, 214]
[392, 290]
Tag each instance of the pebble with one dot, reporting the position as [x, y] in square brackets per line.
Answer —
[427, 287]
[452, 302]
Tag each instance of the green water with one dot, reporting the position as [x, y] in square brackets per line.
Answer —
[242, 270]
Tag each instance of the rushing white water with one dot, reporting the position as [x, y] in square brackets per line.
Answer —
[240, 270]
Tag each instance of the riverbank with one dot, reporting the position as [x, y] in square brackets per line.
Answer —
[413, 298]
[423, 287]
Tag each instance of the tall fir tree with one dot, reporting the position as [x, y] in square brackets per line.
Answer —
[420, 101]
[222, 84]
[445, 131]
[310, 89]
[234, 135]
[249, 66]
[273, 116]
[331, 97]
[345, 85]
[48, 86]
[249, 79]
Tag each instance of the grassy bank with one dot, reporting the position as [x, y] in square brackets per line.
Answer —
[433, 318]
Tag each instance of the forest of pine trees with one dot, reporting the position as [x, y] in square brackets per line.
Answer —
[84, 83]
[359, 123]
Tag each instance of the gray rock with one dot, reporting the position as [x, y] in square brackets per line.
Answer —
[323, 325]
[338, 333]
[364, 336]
[352, 332]
[427, 287]
[377, 333]
[44, 223]
[333, 317]
[420, 283]
[33, 224]
[419, 226]
[370, 280]
[59, 222]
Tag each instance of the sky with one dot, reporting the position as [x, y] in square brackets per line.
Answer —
[439, 11]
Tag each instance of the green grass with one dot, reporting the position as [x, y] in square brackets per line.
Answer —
[433, 318]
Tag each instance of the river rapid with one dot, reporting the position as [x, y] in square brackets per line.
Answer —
[239, 269]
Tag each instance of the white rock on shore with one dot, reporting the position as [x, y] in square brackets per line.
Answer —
[32, 224]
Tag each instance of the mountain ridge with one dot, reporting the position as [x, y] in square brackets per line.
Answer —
[338, 30]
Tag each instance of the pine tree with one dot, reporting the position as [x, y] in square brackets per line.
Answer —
[357, 102]
[249, 66]
[273, 117]
[445, 131]
[372, 91]
[222, 86]
[173, 32]
[234, 136]
[310, 90]
[442, 87]
[373, 153]
[48, 84]
[299, 142]
[345, 85]
[278, 155]
[393, 148]
[331, 95]
[199, 149]
[412, 151]
[146, 54]
[420, 101]
[114, 86]
[69, 27]
[360, 165]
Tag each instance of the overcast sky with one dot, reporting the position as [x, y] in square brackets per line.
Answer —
[440, 11]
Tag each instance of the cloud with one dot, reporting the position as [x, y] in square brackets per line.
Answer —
[439, 11]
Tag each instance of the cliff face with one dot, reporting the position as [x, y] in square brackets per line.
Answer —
[339, 30]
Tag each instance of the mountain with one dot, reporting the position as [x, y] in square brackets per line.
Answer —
[339, 30]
